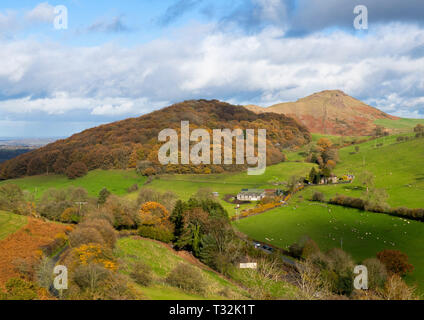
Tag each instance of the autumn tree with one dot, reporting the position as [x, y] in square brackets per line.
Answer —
[76, 170]
[395, 261]
[419, 128]
[324, 143]
[154, 214]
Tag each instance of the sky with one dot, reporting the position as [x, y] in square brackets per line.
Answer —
[121, 59]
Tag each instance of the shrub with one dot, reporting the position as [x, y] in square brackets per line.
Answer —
[187, 278]
[395, 261]
[342, 265]
[157, 233]
[318, 196]
[295, 250]
[89, 276]
[70, 215]
[81, 236]
[19, 289]
[149, 172]
[103, 195]
[142, 274]
[133, 188]
[310, 248]
[377, 273]
[396, 289]
[76, 170]
[44, 273]
[104, 228]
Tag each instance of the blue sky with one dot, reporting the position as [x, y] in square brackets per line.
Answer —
[121, 59]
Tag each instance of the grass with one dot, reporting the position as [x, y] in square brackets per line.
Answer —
[117, 182]
[10, 223]
[398, 167]
[162, 261]
[399, 125]
[228, 183]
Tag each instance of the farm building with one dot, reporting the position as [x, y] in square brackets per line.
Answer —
[251, 195]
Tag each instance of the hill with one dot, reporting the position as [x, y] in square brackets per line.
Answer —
[330, 112]
[123, 144]
[398, 168]
[161, 258]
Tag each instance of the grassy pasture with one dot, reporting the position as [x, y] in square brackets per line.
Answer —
[10, 223]
[162, 260]
[398, 167]
[117, 181]
[399, 125]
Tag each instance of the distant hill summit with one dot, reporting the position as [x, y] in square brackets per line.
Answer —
[134, 142]
[330, 112]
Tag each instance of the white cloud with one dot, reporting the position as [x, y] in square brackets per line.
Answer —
[43, 12]
[263, 68]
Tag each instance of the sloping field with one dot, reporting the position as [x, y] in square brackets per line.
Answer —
[10, 223]
[398, 167]
[117, 181]
[162, 260]
[399, 124]
[24, 244]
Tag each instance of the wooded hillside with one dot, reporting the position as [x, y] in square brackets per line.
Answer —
[134, 142]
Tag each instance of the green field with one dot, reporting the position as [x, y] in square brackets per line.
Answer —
[398, 167]
[162, 260]
[117, 181]
[399, 125]
[10, 223]
[229, 183]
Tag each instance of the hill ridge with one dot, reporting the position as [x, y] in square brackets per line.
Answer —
[330, 112]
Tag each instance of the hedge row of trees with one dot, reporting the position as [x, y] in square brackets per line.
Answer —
[361, 204]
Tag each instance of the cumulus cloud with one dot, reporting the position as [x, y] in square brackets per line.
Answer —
[262, 68]
[43, 12]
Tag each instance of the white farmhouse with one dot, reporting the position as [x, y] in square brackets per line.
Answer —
[251, 195]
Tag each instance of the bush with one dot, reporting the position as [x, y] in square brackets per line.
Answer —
[142, 274]
[19, 289]
[342, 265]
[76, 170]
[89, 276]
[295, 250]
[103, 195]
[157, 233]
[70, 215]
[377, 273]
[395, 261]
[104, 228]
[133, 188]
[396, 289]
[318, 196]
[310, 248]
[81, 236]
[187, 278]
